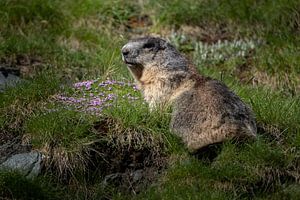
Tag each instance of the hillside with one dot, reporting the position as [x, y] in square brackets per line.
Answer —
[65, 92]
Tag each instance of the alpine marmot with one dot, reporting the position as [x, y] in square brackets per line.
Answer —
[204, 110]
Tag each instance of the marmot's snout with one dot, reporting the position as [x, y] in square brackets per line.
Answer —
[128, 53]
[125, 51]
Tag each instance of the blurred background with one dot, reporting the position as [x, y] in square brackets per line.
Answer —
[256, 42]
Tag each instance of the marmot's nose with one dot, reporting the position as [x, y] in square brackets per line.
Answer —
[125, 51]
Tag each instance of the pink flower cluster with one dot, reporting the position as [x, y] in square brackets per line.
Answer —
[93, 96]
[86, 84]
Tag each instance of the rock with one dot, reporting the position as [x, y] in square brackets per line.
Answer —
[28, 164]
[2, 81]
[8, 80]
[11, 145]
[137, 175]
[111, 178]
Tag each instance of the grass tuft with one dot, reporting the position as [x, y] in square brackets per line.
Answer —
[16, 186]
[19, 102]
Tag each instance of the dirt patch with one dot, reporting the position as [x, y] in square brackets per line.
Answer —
[130, 170]
[139, 21]
[277, 81]
[6, 137]
[22, 65]
[129, 167]
[210, 33]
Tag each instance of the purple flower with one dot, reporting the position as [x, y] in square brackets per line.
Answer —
[135, 87]
[60, 97]
[110, 82]
[86, 84]
[87, 100]
[110, 97]
[96, 102]
[88, 87]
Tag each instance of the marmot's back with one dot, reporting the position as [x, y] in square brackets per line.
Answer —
[210, 113]
[205, 111]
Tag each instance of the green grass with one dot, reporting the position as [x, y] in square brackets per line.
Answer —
[69, 41]
[279, 18]
[234, 174]
[16, 186]
[20, 102]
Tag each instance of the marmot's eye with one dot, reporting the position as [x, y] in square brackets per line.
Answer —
[149, 45]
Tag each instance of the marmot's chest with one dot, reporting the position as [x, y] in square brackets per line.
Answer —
[156, 88]
[156, 92]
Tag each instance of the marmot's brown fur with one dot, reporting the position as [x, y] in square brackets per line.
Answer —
[204, 112]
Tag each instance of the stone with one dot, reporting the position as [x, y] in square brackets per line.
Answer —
[11, 145]
[28, 164]
[10, 80]
[112, 178]
[137, 175]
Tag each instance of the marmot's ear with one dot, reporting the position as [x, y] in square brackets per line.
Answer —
[159, 46]
[162, 45]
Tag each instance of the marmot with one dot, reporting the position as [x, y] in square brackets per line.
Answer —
[204, 110]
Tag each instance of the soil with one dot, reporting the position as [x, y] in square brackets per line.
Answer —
[20, 65]
[127, 168]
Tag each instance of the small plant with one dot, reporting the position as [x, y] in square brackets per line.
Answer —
[222, 51]
[181, 42]
[93, 96]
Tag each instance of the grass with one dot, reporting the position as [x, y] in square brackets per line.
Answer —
[16, 186]
[251, 46]
[266, 15]
[19, 102]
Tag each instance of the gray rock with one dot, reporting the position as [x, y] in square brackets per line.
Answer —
[137, 175]
[13, 79]
[10, 80]
[2, 78]
[12, 146]
[111, 178]
[28, 164]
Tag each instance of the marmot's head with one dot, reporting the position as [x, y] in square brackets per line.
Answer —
[151, 51]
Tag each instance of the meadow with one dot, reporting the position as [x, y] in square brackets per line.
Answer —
[79, 106]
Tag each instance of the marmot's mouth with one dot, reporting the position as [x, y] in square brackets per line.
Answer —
[128, 61]
[136, 70]
[132, 65]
